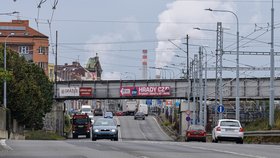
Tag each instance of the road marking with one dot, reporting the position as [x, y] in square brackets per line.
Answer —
[226, 152]
[119, 129]
[161, 128]
[141, 130]
[3, 143]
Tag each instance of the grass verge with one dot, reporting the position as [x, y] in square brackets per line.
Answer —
[42, 135]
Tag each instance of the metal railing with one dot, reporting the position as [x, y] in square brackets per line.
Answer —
[269, 133]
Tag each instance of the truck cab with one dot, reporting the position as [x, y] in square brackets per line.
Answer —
[81, 124]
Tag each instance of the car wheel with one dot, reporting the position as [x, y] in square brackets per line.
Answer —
[215, 141]
[204, 140]
[93, 139]
[116, 139]
[144, 118]
[75, 136]
[239, 141]
[88, 135]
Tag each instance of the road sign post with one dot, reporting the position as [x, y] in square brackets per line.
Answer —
[221, 110]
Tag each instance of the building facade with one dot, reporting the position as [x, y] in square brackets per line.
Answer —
[28, 42]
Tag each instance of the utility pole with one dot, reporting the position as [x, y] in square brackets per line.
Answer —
[55, 67]
[187, 43]
[205, 93]
[271, 98]
[219, 64]
[195, 76]
[200, 53]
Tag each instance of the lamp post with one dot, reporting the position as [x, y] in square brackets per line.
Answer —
[237, 99]
[5, 68]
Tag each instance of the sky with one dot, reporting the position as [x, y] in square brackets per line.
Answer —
[118, 30]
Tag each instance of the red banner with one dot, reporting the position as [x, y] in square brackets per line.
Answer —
[85, 91]
[145, 91]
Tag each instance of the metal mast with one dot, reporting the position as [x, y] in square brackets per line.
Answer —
[200, 86]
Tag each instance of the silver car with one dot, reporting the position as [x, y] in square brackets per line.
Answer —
[228, 130]
[139, 115]
[104, 128]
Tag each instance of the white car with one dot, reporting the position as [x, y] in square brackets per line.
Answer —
[228, 130]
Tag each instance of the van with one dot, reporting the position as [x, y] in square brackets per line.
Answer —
[86, 109]
[143, 108]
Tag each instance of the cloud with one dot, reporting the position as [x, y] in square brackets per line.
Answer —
[191, 12]
[123, 32]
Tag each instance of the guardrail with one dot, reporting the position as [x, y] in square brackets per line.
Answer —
[262, 133]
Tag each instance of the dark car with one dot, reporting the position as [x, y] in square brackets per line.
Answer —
[98, 112]
[196, 133]
[104, 128]
[108, 115]
[139, 115]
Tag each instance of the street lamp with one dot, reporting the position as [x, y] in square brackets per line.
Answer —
[237, 99]
[14, 12]
[5, 68]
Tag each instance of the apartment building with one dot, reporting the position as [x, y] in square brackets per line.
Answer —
[28, 42]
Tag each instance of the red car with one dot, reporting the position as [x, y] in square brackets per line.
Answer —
[196, 133]
[119, 113]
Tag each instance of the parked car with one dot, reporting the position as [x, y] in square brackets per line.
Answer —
[228, 130]
[196, 133]
[119, 113]
[108, 115]
[139, 115]
[98, 112]
[104, 128]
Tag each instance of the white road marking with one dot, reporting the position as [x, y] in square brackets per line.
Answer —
[141, 130]
[226, 152]
[161, 128]
[3, 143]
[119, 129]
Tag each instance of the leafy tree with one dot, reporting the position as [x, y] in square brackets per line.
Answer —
[29, 92]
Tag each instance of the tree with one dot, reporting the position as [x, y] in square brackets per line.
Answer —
[29, 92]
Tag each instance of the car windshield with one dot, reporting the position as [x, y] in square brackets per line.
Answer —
[104, 122]
[80, 121]
[108, 114]
[196, 127]
[229, 123]
[86, 109]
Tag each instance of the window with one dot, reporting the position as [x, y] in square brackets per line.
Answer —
[43, 50]
[23, 50]
[43, 65]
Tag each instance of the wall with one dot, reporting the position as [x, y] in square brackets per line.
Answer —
[3, 132]
[54, 121]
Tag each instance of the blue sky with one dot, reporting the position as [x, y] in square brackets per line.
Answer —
[118, 30]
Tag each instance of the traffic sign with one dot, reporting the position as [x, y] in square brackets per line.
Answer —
[188, 118]
[221, 108]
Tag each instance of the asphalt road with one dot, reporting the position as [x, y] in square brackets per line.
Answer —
[84, 148]
[138, 139]
[148, 129]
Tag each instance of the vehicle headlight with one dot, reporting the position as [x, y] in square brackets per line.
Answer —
[96, 130]
[113, 130]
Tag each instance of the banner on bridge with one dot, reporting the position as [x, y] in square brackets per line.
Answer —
[145, 91]
[69, 91]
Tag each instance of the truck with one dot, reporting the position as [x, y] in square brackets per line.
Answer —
[130, 107]
[143, 108]
[81, 124]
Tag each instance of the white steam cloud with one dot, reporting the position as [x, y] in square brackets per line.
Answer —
[190, 12]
